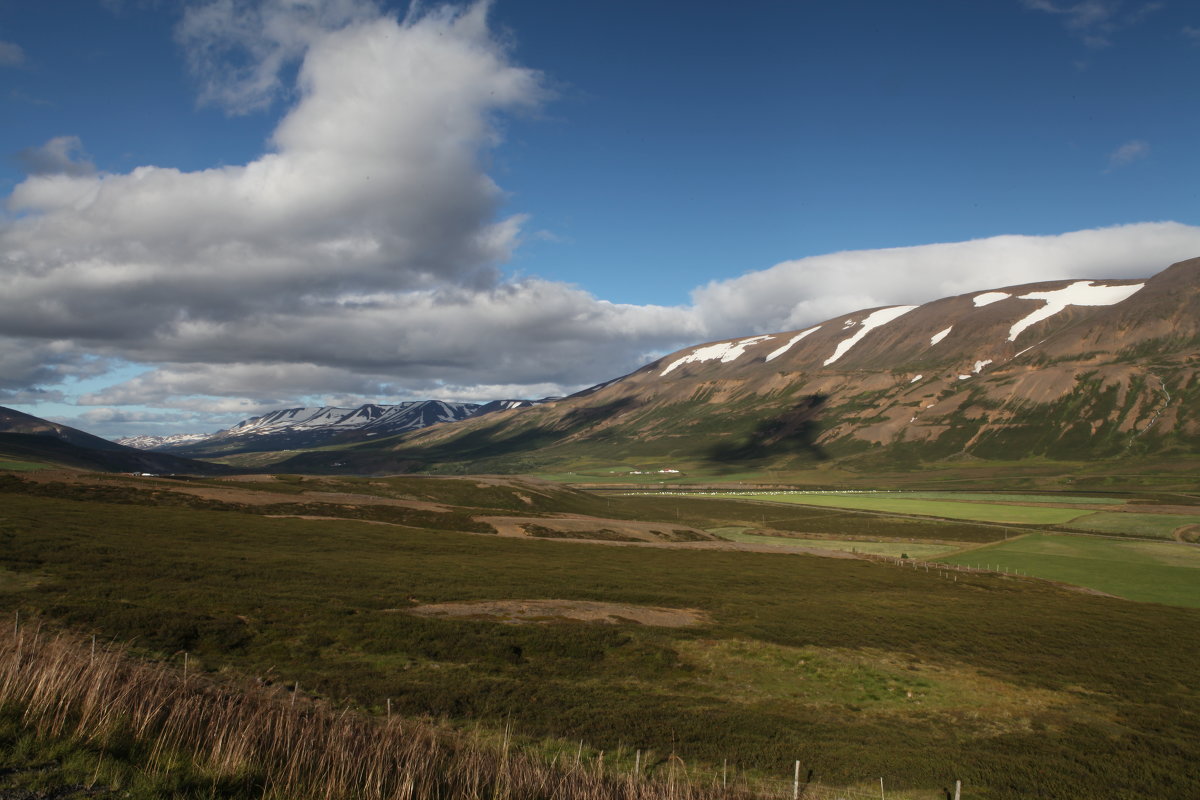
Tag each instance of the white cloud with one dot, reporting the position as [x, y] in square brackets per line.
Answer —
[1096, 21]
[62, 155]
[374, 187]
[548, 336]
[796, 294]
[102, 416]
[238, 49]
[1127, 153]
[11, 54]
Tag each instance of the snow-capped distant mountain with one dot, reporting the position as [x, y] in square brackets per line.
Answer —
[293, 428]
[157, 442]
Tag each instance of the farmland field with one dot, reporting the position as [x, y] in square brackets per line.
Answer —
[1159, 526]
[1007, 497]
[1158, 572]
[948, 509]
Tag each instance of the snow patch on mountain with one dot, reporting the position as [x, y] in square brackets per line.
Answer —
[774, 354]
[1079, 293]
[987, 298]
[874, 320]
[979, 365]
[937, 337]
[725, 351]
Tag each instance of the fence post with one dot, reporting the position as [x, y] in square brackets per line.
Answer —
[637, 764]
[958, 790]
[796, 783]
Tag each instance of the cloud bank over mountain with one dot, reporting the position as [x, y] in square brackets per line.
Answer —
[358, 257]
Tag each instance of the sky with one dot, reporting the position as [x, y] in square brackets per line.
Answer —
[213, 209]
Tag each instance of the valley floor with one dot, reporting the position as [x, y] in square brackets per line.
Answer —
[857, 666]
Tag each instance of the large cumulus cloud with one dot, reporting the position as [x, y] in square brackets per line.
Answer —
[373, 184]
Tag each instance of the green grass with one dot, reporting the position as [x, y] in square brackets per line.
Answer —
[948, 509]
[1006, 497]
[22, 466]
[893, 549]
[321, 602]
[1158, 572]
[1159, 526]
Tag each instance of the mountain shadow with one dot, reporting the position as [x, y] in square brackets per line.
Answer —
[794, 431]
[588, 415]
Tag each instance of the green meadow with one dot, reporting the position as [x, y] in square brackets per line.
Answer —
[21, 466]
[930, 507]
[1159, 526]
[1156, 572]
[1009, 497]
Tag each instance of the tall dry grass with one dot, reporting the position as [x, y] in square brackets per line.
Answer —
[257, 736]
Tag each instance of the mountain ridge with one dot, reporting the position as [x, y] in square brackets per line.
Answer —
[1071, 368]
[303, 427]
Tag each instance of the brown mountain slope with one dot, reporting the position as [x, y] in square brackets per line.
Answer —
[1061, 369]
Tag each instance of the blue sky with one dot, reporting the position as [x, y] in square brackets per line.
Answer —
[204, 220]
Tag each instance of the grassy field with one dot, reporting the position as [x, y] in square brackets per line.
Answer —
[947, 509]
[21, 466]
[1007, 497]
[857, 668]
[1157, 572]
[732, 510]
[1159, 526]
[893, 549]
